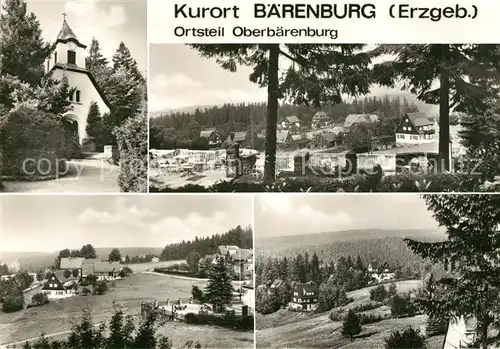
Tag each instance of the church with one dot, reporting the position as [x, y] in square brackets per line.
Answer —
[68, 58]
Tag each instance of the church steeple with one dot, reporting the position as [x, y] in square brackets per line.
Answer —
[66, 34]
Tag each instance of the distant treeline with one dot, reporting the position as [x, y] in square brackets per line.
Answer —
[239, 236]
[392, 250]
[168, 130]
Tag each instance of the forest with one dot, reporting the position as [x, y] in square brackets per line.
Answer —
[238, 236]
[392, 250]
[179, 128]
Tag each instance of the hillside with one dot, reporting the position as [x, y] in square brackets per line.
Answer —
[285, 329]
[382, 245]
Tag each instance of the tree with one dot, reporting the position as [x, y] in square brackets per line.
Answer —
[467, 75]
[360, 137]
[378, 294]
[97, 64]
[318, 73]
[193, 260]
[401, 305]
[39, 276]
[75, 272]
[408, 339]
[393, 290]
[481, 135]
[94, 126]
[115, 255]
[39, 299]
[351, 325]
[145, 338]
[196, 293]
[122, 59]
[67, 273]
[14, 301]
[471, 251]
[21, 43]
[100, 288]
[88, 252]
[219, 290]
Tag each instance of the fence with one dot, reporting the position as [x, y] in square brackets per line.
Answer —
[367, 161]
[327, 159]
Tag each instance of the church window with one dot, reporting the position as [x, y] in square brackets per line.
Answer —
[55, 57]
[71, 97]
[71, 57]
[78, 96]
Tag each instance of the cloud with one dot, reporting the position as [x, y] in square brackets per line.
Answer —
[111, 17]
[322, 219]
[279, 204]
[178, 80]
[174, 229]
[122, 212]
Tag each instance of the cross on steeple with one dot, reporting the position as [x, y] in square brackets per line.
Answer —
[64, 15]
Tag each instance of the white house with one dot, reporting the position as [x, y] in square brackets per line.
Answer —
[460, 333]
[415, 128]
[68, 59]
[249, 297]
[55, 289]
[381, 272]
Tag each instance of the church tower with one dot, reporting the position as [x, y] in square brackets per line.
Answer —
[68, 59]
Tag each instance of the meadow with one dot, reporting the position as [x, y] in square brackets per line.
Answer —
[285, 329]
[57, 317]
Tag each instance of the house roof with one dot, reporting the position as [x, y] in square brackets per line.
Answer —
[281, 136]
[329, 137]
[66, 34]
[296, 137]
[242, 254]
[304, 288]
[207, 133]
[84, 71]
[71, 263]
[292, 119]
[240, 136]
[92, 266]
[53, 283]
[419, 119]
[352, 119]
[224, 249]
[320, 115]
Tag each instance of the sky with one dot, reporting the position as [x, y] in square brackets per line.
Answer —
[180, 78]
[50, 223]
[281, 215]
[110, 22]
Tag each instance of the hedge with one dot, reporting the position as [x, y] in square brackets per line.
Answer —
[34, 145]
[132, 140]
[228, 320]
[402, 182]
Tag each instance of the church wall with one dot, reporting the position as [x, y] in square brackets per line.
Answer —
[62, 56]
[88, 94]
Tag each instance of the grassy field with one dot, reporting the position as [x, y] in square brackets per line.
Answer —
[285, 329]
[140, 267]
[58, 316]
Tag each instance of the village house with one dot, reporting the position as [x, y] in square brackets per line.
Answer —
[319, 120]
[305, 296]
[283, 137]
[55, 289]
[381, 272]
[242, 263]
[68, 59]
[415, 128]
[354, 119]
[71, 263]
[213, 137]
[237, 137]
[103, 270]
[155, 260]
[249, 297]
[289, 122]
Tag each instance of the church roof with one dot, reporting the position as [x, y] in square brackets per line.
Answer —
[66, 34]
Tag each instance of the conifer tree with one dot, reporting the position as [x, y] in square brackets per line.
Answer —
[94, 121]
[22, 48]
[473, 228]
[219, 290]
[123, 59]
[97, 64]
[351, 325]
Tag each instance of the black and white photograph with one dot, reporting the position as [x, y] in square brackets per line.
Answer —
[324, 118]
[73, 110]
[377, 271]
[116, 271]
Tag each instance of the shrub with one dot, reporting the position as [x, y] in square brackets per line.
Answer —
[436, 325]
[351, 325]
[132, 140]
[33, 144]
[408, 339]
[372, 318]
[13, 302]
[85, 291]
[228, 320]
[378, 294]
[196, 293]
[401, 306]
[100, 288]
[39, 299]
